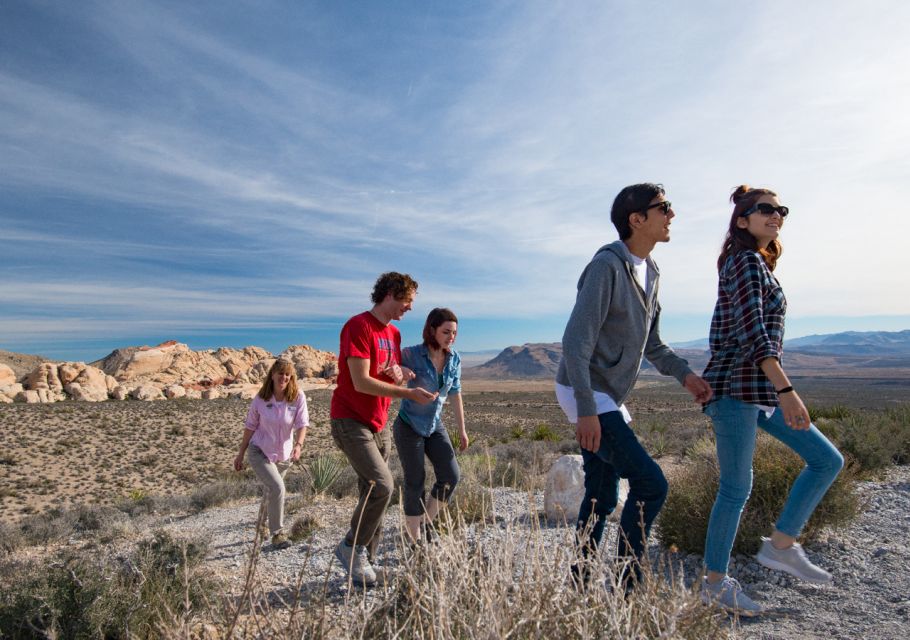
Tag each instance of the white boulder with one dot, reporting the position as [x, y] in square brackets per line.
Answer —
[7, 376]
[147, 392]
[120, 392]
[29, 396]
[565, 489]
[174, 391]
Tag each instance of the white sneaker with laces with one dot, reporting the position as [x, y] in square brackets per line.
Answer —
[728, 594]
[793, 561]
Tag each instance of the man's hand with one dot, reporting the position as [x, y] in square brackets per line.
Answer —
[699, 389]
[587, 432]
[395, 373]
[464, 440]
[420, 395]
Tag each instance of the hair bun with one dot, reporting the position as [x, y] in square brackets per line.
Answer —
[739, 192]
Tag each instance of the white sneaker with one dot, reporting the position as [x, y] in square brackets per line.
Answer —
[355, 562]
[729, 596]
[792, 561]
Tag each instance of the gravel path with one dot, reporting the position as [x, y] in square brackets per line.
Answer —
[870, 560]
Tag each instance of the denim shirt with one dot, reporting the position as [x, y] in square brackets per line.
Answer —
[426, 418]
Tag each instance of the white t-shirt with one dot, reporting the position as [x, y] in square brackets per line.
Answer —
[566, 398]
[640, 268]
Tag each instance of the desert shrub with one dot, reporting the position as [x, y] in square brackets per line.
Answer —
[50, 526]
[142, 503]
[79, 595]
[874, 440]
[96, 518]
[325, 470]
[683, 521]
[303, 527]
[544, 432]
[517, 431]
[218, 493]
[471, 502]
[517, 586]
[832, 412]
[346, 483]
[10, 538]
[522, 465]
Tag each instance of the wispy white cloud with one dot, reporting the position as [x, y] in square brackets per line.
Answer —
[489, 176]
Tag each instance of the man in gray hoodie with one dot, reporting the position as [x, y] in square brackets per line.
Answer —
[614, 324]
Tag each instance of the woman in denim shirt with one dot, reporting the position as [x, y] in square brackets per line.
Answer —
[418, 430]
[752, 391]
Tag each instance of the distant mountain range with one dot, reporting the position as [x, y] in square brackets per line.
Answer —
[872, 354]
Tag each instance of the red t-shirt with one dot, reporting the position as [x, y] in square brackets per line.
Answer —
[363, 336]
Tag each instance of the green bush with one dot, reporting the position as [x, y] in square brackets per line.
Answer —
[81, 595]
[683, 521]
[544, 432]
[833, 412]
[873, 439]
[325, 471]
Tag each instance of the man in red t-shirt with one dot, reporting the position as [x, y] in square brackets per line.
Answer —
[369, 375]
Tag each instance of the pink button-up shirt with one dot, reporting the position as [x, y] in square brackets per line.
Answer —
[273, 423]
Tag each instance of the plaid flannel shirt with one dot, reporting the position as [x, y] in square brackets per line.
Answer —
[747, 327]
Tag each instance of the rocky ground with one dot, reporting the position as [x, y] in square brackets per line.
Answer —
[869, 598]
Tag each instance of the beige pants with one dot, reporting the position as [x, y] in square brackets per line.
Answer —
[271, 474]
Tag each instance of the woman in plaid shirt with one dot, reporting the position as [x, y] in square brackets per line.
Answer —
[752, 391]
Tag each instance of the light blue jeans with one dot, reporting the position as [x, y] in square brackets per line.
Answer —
[735, 427]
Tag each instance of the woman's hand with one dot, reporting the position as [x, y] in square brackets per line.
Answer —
[296, 451]
[238, 462]
[795, 414]
[464, 441]
[420, 395]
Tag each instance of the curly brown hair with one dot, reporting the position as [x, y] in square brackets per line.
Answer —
[738, 239]
[400, 285]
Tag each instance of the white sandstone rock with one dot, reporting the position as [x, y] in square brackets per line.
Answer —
[29, 396]
[44, 376]
[120, 393]
[174, 391]
[12, 389]
[7, 376]
[565, 489]
[211, 394]
[147, 392]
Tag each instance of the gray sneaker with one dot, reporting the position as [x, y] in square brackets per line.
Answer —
[792, 561]
[355, 562]
[729, 596]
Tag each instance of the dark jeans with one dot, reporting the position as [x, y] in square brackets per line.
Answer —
[368, 454]
[412, 447]
[620, 456]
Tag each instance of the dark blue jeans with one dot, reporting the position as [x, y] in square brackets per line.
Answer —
[620, 456]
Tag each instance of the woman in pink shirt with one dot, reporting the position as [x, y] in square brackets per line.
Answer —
[275, 413]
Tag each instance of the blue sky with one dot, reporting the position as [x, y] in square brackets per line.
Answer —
[233, 173]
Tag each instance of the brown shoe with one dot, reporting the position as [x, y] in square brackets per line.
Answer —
[280, 541]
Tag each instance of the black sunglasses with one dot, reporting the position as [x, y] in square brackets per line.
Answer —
[766, 209]
[664, 207]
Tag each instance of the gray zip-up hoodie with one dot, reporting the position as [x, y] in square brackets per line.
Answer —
[613, 325]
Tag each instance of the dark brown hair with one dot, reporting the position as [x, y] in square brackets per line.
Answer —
[398, 284]
[633, 199]
[435, 319]
[267, 390]
[737, 239]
